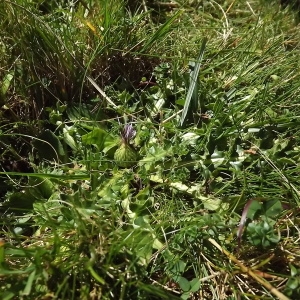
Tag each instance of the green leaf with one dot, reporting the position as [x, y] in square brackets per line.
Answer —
[272, 208]
[180, 102]
[293, 283]
[294, 271]
[98, 137]
[5, 86]
[211, 203]
[49, 146]
[154, 154]
[273, 238]
[69, 139]
[19, 200]
[184, 284]
[141, 241]
[82, 113]
[178, 267]
[254, 208]
[195, 285]
[286, 161]
[43, 185]
[185, 296]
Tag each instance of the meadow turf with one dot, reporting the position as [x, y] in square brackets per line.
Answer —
[149, 149]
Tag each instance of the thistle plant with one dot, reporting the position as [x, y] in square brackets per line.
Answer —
[125, 156]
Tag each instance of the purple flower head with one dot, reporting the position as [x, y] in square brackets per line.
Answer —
[128, 133]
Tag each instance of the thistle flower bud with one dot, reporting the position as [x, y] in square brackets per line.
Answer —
[126, 156]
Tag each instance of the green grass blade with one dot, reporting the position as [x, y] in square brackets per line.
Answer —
[50, 176]
[160, 32]
[29, 283]
[191, 99]
[2, 254]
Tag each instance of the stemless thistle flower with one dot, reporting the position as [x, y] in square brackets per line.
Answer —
[125, 156]
[128, 133]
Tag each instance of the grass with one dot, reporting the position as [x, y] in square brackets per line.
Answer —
[149, 151]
